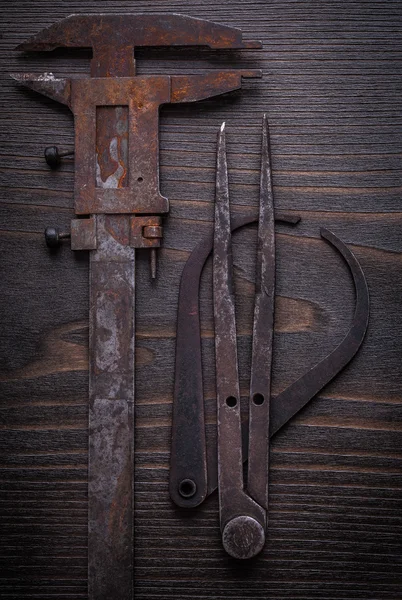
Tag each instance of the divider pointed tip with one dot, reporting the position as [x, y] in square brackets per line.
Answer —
[222, 138]
[265, 124]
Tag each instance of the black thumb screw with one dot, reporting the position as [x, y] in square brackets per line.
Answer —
[54, 237]
[53, 156]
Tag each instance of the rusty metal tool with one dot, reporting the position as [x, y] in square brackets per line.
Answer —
[119, 207]
[243, 509]
[190, 479]
[242, 518]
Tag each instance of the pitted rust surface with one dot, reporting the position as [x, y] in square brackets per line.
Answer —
[109, 496]
[112, 329]
[145, 232]
[83, 234]
[111, 146]
[128, 182]
[111, 451]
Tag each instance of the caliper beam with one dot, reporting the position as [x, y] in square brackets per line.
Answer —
[119, 207]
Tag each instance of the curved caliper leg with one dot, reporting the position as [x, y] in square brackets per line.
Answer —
[291, 400]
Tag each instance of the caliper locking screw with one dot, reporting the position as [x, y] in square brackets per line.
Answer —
[54, 237]
[53, 156]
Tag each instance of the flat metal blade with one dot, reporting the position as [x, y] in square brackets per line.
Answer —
[263, 328]
[230, 469]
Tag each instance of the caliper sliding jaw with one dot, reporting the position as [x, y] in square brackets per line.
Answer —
[116, 112]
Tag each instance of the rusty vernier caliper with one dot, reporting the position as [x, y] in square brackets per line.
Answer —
[119, 207]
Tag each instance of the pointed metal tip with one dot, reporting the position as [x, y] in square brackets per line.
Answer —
[221, 145]
[266, 214]
[46, 84]
[37, 43]
[24, 78]
[221, 182]
[222, 137]
[265, 123]
[265, 143]
[153, 263]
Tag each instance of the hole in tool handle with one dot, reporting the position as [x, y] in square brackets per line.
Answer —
[187, 488]
[258, 399]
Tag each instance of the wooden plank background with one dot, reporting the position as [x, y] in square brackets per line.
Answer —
[332, 90]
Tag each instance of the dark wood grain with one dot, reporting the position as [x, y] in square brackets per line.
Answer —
[332, 89]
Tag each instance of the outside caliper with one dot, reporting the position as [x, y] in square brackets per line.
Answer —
[119, 208]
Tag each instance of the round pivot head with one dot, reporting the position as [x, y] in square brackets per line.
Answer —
[243, 537]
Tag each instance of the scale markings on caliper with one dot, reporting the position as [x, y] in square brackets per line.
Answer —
[119, 208]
